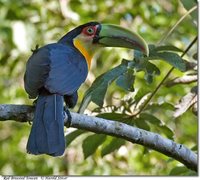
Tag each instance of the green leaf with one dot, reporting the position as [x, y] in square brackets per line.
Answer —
[167, 48]
[108, 108]
[151, 119]
[182, 170]
[167, 131]
[97, 91]
[152, 47]
[126, 80]
[141, 123]
[115, 144]
[91, 143]
[194, 148]
[112, 116]
[174, 59]
[157, 123]
[124, 118]
[165, 106]
[73, 135]
[149, 68]
[141, 93]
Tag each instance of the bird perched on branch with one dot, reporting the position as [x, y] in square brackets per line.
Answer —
[55, 72]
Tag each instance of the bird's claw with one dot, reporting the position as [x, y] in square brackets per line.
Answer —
[69, 117]
[29, 122]
[36, 48]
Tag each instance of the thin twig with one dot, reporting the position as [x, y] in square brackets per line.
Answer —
[177, 23]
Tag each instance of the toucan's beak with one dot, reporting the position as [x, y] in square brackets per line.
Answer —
[116, 36]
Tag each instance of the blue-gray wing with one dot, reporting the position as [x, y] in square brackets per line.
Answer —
[59, 68]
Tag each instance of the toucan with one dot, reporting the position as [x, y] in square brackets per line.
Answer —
[55, 72]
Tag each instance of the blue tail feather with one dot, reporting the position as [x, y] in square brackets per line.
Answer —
[47, 133]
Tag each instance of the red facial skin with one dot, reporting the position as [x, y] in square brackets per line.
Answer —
[90, 31]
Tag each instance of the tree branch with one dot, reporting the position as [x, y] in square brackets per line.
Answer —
[182, 80]
[24, 113]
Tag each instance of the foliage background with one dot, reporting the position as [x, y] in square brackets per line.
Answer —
[23, 24]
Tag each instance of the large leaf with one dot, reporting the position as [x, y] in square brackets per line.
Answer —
[166, 131]
[73, 135]
[126, 80]
[97, 91]
[144, 65]
[157, 124]
[91, 143]
[141, 123]
[174, 59]
[151, 119]
[115, 144]
[167, 48]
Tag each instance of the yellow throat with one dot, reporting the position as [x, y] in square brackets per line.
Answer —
[85, 51]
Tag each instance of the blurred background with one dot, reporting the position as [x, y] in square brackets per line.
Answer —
[24, 24]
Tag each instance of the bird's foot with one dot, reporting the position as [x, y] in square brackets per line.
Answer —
[69, 117]
[34, 105]
[35, 102]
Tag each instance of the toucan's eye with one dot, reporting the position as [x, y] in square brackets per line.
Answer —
[89, 30]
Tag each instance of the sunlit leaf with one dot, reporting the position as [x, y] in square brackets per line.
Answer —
[194, 148]
[182, 170]
[182, 80]
[105, 109]
[142, 101]
[186, 102]
[142, 92]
